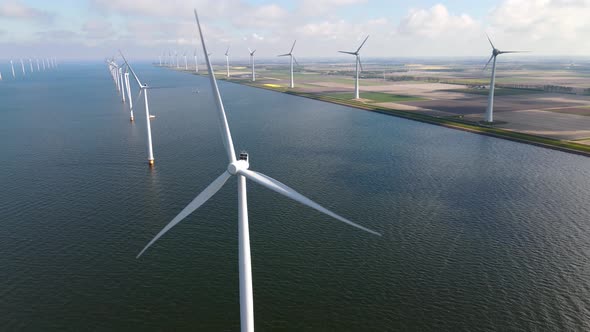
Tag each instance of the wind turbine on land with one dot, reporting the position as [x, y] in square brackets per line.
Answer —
[143, 88]
[489, 116]
[358, 64]
[240, 168]
[290, 54]
[252, 63]
[227, 61]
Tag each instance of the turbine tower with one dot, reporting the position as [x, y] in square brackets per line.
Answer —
[31, 64]
[12, 68]
[359, 67]
[123, 89]
[489, 116]
[227, 62]
[252, 63]
[240, 168]
[38, 68]
[143, 88]
[129, 94]
[185, 62]
[290, 54]
[22, 65]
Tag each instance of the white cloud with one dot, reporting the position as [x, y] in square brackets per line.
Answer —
[14, 9]
[320, 7]
[434, 22]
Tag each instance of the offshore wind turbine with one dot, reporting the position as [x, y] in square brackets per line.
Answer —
[143, 88]
[240, 168]
[43, 64]
[358, 64]
[22, 64]
[38, 68]
[185, 62]
[12, 68]
[122, 78]
[31, 64]
[227, 62]
[292, 58]
[489, 116]
[129, 94]
[252, 63]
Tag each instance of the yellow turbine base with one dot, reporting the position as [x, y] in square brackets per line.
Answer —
[151, 162]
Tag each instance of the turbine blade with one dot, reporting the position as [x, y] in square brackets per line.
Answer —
[494, 47]
[225, 132]
[249, 51]
[130, 68]
[364, 41]
[503, 52]
[227, 51]
[292, 47]
[294, 59]
[490, 60]
[284, 190]
[284, 54]
[253, 51]
[361, 63]
[351, 53]
[191, 207]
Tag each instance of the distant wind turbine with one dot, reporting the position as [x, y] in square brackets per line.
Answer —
[358, 64]
[185, 62]
[31, 64]
[43, 64]
[292, 58]
[489, 116]
[22, 64]
[240, 168]
[143, 88]
[252, 63]
[12, 68]
[123, 89]
[38, 68]
[227, 62]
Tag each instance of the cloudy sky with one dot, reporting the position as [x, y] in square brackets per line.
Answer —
[94, 29]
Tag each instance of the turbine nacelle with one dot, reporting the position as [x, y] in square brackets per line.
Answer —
[238, 166]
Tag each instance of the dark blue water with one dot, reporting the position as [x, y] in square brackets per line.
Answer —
[479, 233]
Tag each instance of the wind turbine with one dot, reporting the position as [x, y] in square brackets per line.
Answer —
[227, 61]
[489, 116]
[185, 62]
[12, 68]
[22, 64]
[240, 168]
[122, 78]
[252, 63]
[43, 64]
[31, 64]
[290, 54]
[129, 94]
[143, 88]
[38, 68]
[358, 64]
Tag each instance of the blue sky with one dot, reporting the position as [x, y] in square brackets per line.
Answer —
[88, 29]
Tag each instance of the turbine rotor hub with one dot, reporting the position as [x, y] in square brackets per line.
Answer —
[237, 166]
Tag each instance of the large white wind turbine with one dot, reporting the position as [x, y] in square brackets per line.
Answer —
[252, 64]
[240, 168]
[227, 62]
[12, 68]
[489, 116]
[123, 89]
[358, 64]
[143, 88]
[292, 58]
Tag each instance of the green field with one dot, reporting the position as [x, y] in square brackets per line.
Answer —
[375, 97]
[497, 91]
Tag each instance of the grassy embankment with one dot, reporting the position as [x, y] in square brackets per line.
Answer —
[455, 123]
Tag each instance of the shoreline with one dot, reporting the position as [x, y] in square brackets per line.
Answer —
[540, 141]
